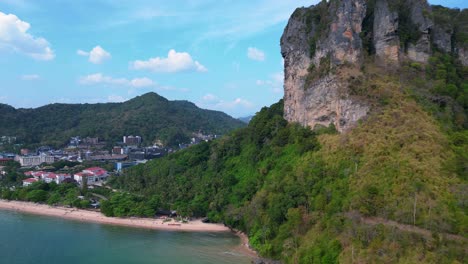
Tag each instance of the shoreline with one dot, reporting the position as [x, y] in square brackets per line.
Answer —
[96, 217]
[146, 223]
[244, 247]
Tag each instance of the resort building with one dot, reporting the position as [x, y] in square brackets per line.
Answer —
[92, 175]
[48, 176]
[30, 161]
[27, 182]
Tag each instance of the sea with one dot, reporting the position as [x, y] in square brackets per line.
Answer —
[26, 238]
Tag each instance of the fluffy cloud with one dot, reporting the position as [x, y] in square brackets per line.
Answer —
[97, 55]
[14, 36]
[99, 78]
[210, 97]
[116, 99]
[275, 83]
[141, 82]
[175, 62]
[236, 107]
[255, 54]
[30, 77]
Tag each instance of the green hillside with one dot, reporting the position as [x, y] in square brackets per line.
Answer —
[150, 116]
[393, 190]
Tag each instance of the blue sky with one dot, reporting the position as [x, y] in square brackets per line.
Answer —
[219, 54]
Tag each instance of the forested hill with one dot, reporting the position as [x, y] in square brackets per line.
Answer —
[150, 116]
[391, 190]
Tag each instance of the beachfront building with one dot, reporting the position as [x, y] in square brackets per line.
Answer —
[80, 177]
[57, 178]
[48, 177]
[92, 175]
[29, 181]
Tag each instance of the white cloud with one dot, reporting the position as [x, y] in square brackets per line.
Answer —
[275, 83]
[99, 78]
[14, 36]
[30, 77]
[246, 18]
[237, 107]
[255, 54]
[82, 53]
[97, 55]
[116, 99]
[175, 62]
[141, 82]
[238, 102]
[210, 97]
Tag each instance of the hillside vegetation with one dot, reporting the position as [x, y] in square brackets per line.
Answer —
[310, 196]
[150, 116]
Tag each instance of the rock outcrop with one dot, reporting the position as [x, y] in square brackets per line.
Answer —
[320, 40]
[421, 49]
[385, 37]
[308, 45]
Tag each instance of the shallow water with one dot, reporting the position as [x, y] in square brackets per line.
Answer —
[26, 238]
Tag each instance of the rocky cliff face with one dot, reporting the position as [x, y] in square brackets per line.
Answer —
[315, 42]
[385, 37]
[321, 40]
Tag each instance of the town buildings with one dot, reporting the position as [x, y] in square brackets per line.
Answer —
[30, 161]
[29, 181]
[48, 176]
[91, 175]
[132, 140]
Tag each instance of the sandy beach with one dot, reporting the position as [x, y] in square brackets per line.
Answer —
[150, 223]
[97, 217]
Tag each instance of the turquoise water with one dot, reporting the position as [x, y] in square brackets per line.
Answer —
[34, 239]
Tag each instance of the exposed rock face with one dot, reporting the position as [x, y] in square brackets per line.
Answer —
[321, 39]
[386, 41]
[296, 52]
[442, 37]
[321, 102]
[344, 44]
[462, 55]
[421, 50]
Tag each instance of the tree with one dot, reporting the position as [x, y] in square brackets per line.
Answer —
[37, 196]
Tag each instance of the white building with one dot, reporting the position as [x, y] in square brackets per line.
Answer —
[48, 176]
[2, 171]
[29, 161]
[57, 178]
[29, 181]
[94, 174]
[132, 140]
[80, 177]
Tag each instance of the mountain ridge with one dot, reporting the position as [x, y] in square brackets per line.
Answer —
[150, 115]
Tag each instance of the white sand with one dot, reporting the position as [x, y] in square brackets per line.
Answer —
[97, 217]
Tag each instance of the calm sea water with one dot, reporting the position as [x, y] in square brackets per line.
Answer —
[34, 239]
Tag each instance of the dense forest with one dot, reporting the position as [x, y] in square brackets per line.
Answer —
[391, 190]
[150, 116]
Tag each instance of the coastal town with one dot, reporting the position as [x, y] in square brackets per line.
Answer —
[129, 152]
[84, 162]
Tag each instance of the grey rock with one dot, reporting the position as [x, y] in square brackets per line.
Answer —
[442, 37]
[322, 101]
[314, 92]
[386, 40]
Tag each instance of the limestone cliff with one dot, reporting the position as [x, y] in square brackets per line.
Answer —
[316, 41]
[322, 40]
